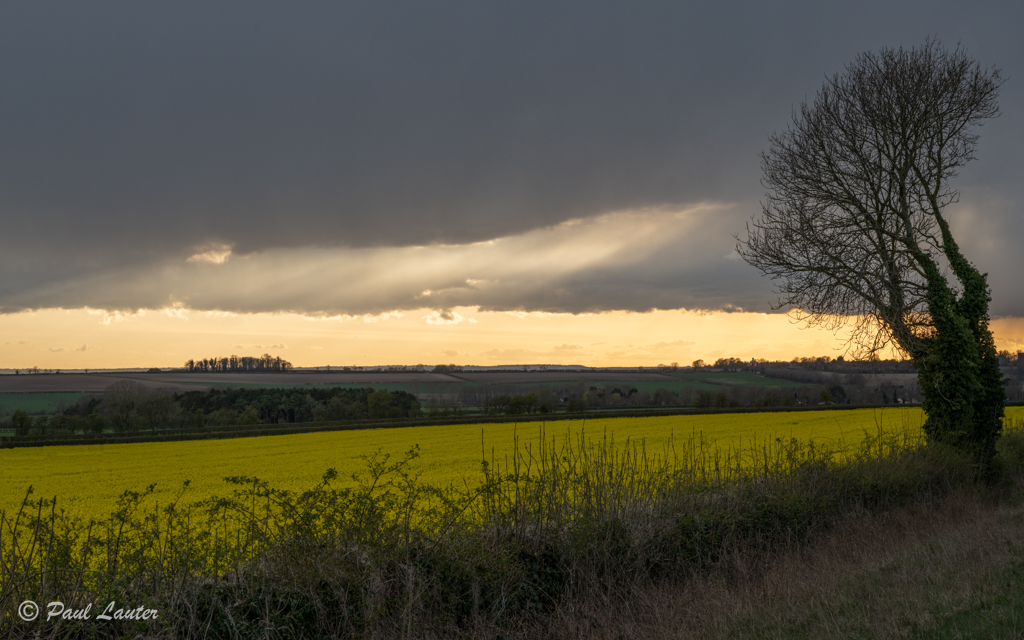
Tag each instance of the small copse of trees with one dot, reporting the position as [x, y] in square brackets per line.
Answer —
[240, 364]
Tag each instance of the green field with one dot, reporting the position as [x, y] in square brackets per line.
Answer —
[36, 402]
[697, 382]
[735, 379]
[88, 478]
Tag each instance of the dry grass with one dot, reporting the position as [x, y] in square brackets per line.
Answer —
[954, 569]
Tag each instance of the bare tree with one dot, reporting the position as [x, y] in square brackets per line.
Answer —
[853, 228]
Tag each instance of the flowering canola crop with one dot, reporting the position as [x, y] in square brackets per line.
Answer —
[87, 479]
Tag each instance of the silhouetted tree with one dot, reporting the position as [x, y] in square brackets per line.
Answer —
[854, 229]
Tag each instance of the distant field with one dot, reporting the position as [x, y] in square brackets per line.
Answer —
[524, 377]
[35, 402]
[678, 382]
[734, 379]
[76, 382]
[40, 392]
[333, 378]
[178, 381]
[650, 386]
[88, 478]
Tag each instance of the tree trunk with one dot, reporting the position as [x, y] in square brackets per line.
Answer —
[958, 368]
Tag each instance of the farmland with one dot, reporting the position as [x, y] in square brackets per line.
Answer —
[451, 391]
[501, 541]
[442, 393]
[88, 479]
[418, 383]
[183, 381]
[67, 403]
[36, 402]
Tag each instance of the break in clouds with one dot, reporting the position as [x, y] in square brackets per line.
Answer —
[358, 159]
[572, 266]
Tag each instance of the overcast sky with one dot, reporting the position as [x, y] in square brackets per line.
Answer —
[362, 157]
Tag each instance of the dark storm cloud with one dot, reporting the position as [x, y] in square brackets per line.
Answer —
[133, 136]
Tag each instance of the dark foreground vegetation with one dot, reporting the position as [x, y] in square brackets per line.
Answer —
[556, 530]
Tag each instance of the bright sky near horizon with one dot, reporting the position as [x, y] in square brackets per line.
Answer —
[81, 339]
[376, 183]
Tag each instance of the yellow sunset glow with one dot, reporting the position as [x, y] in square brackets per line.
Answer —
[82, 338]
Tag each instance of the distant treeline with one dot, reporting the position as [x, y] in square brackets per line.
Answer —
[817, 388]
[240, 364]
[821, 363]
[127, 406]
[269, 406]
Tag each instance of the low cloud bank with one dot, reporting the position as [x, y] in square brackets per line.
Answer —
[629, 260]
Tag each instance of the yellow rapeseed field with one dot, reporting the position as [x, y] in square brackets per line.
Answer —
[87, 479]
